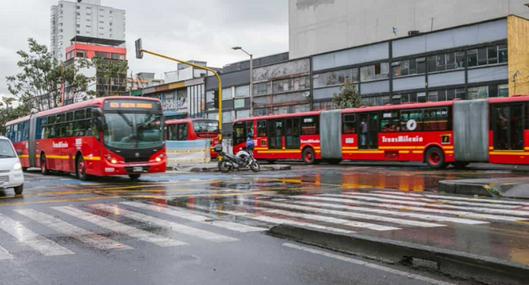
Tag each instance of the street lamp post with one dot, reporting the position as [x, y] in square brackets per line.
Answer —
[251, 77]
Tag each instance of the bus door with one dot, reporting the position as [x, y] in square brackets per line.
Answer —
[275, 134]
[508, 127]
[292, 133]
[368, 124]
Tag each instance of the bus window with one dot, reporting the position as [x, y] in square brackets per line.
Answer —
[390, 122]
[349, 124]
[292, 131]
[181, 132]
[436, 119]
[309, 126]
[261, 129]
[411, 120]
[275, 134]
[239, 133]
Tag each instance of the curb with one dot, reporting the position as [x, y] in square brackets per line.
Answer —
[263, 168]
[457, 264]
[467, 188]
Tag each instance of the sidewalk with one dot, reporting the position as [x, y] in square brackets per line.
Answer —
[213, 167]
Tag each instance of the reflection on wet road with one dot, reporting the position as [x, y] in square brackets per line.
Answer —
[178, 210]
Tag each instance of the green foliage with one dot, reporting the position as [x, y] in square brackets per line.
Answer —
[348, 97]
[41, 78]
[8, 112]
[110, 73]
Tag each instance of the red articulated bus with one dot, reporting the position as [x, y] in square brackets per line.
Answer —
[190, 129]
[101, 137]
[441, 133]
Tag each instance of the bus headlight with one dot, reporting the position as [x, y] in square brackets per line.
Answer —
[17, 166]
[113, 161]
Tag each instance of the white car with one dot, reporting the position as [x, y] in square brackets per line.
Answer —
[11, 175]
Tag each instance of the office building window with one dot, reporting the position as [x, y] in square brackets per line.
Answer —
[377, 71]
[409, 67]
[335, 78]
[487, 55]
[261, 89]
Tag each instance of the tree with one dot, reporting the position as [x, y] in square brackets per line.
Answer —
[348, 97]
[110, 73]
[42, 78]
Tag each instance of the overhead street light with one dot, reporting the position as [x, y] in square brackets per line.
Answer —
[251, 76]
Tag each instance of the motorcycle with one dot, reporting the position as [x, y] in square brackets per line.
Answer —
[242, 160]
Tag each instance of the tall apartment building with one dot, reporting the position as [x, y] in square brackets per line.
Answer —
[86, 19]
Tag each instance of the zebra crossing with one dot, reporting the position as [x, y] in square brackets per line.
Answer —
[101, 226]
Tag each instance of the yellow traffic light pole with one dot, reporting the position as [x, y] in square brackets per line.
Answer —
[217, 75]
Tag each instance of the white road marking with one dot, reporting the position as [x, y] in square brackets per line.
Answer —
[428, 200]
[183, 229]
[119, 227]
[35, 241]
[374, 206]
[189, 215]
[457, 198]
[349, 214]
[4, 254]
[433, 205]
[273, 220]
[85, 236]
[326, 219]
[367, 264]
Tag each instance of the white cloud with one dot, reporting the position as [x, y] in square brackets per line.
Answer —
[186, 29]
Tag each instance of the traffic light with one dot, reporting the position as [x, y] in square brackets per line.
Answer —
[216, 99]
[139, 49]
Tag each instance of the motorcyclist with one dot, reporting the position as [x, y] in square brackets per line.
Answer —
[250, 144]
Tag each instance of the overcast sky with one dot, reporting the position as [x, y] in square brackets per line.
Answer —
[187, 29]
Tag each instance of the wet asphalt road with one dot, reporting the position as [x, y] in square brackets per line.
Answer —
[208, 228]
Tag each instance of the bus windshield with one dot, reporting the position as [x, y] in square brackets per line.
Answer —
[133, 130]
[206, 126]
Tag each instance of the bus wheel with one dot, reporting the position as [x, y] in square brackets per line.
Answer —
[80, 168]
[308, 156]
[134, 177]
[435, 158]
[44, 165]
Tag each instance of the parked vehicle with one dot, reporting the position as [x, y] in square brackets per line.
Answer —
[11, 175]
[242, 160]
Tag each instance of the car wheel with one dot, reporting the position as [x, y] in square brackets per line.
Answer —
[19, 189]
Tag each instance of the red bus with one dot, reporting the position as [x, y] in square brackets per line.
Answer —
[101, 137]
[191, 129]
[441, 133]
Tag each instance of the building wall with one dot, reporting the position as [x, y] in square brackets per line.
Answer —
[519, 56]
[87, 18]
[317, 26]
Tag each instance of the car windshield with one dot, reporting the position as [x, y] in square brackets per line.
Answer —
[206, 126]
[133, 130]
[6, 149]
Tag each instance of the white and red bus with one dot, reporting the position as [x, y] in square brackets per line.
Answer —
[101, 137]
[190, 129]
[441, 133]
